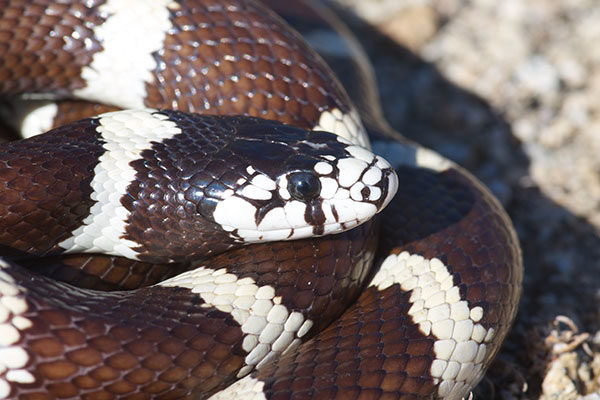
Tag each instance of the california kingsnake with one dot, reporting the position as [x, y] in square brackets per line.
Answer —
[425, 321]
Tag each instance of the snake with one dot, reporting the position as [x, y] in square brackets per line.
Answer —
[220, 209]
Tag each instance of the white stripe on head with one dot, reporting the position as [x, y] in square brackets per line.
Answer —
[269, 327]
[126, 134]
[118, 74]
[438, 309]
[347, 126]
[13, 357]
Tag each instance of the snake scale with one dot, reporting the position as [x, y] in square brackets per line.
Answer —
[214, 239]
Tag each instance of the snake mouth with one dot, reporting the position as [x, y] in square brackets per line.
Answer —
[299, 232]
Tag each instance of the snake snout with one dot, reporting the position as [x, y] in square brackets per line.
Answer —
[369, 178]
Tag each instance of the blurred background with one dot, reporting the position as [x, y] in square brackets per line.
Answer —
[510, 90]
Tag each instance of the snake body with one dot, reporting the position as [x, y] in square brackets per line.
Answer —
[252, 295]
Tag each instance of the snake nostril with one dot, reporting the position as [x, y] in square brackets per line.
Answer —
[365, 192]
[303, 186]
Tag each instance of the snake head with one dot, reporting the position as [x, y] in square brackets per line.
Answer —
[295, 184]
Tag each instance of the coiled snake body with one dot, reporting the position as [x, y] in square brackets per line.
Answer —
[225, 241]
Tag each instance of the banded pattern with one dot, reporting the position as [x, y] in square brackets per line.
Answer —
[430, 321]
[438, 309]
[447, 269]
[268, 326]
[125, 136]
[167, 339]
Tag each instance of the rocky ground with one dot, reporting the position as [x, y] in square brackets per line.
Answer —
[509, 89]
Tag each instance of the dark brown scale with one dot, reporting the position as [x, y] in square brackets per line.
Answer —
[102, 272]
[45, 187]
[313, 276]
[157, 342]
[236, 57]
[69, 111]
[44, 46]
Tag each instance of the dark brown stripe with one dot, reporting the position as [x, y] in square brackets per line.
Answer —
[71, 110]
[314, 21]
[45, 46]
[45, 186]
[102, 272]
[160, 340]
[373, 351]
[451, 216]
[318, 277]
[146, 342]
[236, 57]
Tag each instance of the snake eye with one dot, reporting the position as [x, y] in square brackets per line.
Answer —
[303, 186]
